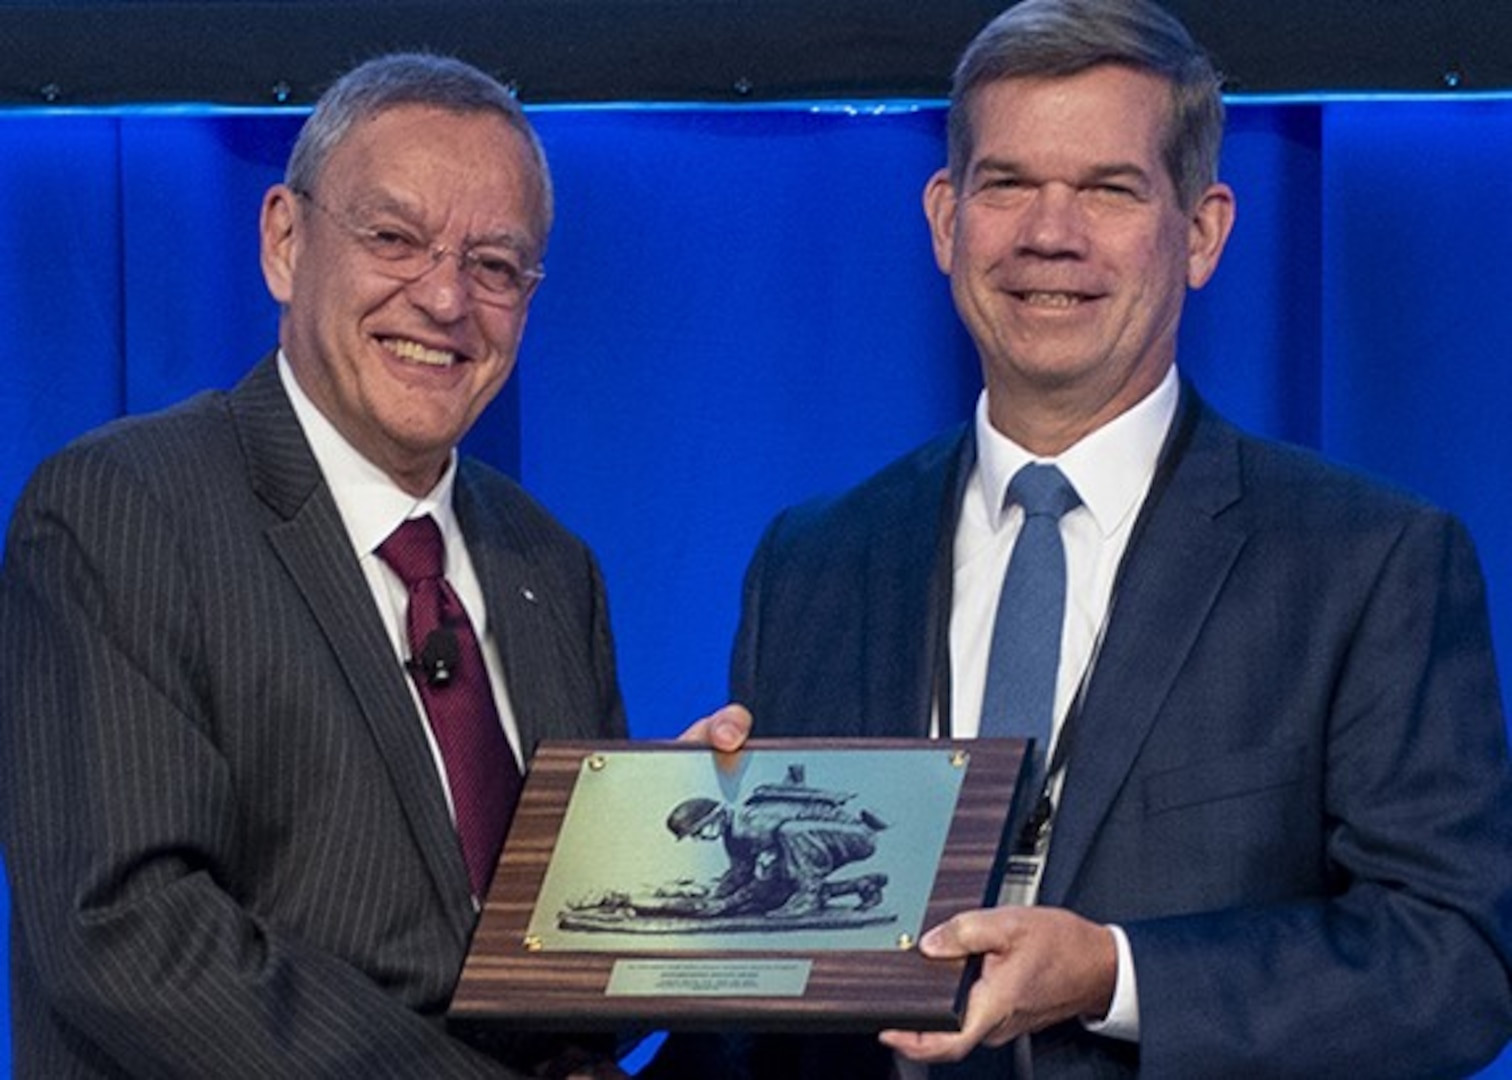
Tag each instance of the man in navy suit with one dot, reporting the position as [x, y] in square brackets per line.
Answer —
[1280, 834]
[227, 822]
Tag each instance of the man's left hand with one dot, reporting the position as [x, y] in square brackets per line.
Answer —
[725, 729]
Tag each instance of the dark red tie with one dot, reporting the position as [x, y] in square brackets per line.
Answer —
[448, 669]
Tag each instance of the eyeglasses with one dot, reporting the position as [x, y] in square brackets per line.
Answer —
[494, 270]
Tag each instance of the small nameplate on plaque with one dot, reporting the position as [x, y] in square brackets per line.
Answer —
[708, 978]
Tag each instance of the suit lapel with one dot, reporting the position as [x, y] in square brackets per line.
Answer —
[518, 554]
[311, 541]
[1175, 567]
[516, 602]
[907, 583]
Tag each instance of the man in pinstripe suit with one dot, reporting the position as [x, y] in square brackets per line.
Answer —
[228, 834]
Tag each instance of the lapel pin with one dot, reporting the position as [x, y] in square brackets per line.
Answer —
[528, 593]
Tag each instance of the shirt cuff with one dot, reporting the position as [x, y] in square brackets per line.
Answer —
[1122, 1021]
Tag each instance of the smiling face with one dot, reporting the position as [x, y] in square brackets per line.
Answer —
[1068, 252]
[402, 369]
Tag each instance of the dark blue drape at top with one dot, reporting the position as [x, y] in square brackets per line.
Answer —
[742, 310]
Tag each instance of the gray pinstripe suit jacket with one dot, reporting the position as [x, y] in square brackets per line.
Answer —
[229, 851]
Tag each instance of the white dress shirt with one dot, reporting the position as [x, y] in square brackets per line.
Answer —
[1111, 469]
[372, 506]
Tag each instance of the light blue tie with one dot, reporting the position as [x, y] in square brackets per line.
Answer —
[1026, 635]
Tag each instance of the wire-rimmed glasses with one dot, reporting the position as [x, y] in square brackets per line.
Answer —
[493, 269]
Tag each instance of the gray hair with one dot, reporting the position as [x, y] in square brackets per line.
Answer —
[1057, 38]
[387, 82]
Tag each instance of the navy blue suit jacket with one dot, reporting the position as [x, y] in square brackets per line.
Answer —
[229, 849]
[1289, 782]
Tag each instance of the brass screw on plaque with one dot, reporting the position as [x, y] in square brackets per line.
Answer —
[905, 941]
[959, 758]
[597, 762]
[532, 943]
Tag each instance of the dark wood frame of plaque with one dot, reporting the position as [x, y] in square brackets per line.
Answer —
[504, 983]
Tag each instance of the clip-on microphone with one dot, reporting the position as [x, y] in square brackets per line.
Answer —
[438, 658]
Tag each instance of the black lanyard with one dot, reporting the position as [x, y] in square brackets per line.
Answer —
[1035, 830]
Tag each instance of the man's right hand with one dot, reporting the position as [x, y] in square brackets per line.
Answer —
[1040, 966]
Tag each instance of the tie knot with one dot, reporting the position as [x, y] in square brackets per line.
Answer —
[1042, 490]
[415, 550]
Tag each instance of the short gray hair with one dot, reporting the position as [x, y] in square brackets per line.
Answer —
[388, 82]
[1057, 38]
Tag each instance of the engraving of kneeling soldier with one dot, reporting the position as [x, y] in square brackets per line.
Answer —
[784, 842]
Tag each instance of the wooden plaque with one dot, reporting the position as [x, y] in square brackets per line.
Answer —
[596, 921]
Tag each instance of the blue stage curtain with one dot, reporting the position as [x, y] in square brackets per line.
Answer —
[742, 310]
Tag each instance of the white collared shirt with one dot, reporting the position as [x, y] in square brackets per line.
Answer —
[372, 506]
[1111, 469]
